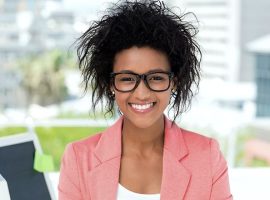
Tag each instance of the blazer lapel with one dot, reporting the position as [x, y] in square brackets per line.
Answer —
[103, 180]
[176, 177]
[103, 177]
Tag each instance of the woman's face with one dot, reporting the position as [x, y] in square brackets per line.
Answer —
[142, 107]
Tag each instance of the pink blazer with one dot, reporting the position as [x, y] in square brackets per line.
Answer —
[193, 167]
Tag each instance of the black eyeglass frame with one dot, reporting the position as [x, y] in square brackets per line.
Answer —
[139, 78]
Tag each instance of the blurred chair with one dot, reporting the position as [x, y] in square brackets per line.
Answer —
[16, 165]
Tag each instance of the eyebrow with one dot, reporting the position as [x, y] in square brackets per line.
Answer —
[153, 70]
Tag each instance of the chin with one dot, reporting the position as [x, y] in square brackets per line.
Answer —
[143, 123]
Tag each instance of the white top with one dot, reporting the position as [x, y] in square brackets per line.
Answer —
[125, 194]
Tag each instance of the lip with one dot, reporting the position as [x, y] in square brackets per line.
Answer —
[145, 110]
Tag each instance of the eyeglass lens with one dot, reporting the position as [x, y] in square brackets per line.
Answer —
[155, 81]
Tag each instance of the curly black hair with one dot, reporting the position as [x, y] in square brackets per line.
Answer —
[140, 23]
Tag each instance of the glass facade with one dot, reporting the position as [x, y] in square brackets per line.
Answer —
[263, 85]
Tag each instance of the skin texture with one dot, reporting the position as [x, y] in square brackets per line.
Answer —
[143, 132]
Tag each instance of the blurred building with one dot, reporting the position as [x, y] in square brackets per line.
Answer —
[9, 30]
[29, 27]
[226, 26]
[10, 90]
[260, 49]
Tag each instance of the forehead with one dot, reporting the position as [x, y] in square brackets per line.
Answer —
[141, 60]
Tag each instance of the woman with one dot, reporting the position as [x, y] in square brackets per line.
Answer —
[142, 56]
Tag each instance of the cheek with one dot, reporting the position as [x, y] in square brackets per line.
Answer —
[120, 99]
[165, 98]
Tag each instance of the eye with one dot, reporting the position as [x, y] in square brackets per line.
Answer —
[127, 79]
[157, 77]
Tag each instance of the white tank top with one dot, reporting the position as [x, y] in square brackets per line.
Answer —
[125, 194]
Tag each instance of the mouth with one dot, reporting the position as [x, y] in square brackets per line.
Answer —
[142, 107]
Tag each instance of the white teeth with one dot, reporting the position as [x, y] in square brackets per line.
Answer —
[142, 107]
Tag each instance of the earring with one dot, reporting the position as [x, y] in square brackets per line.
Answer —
[173, 92]
[112, 94]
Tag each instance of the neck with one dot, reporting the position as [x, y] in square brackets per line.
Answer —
[142, 141]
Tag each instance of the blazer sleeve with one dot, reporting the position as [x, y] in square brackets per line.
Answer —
[220, 178]
[69, 183]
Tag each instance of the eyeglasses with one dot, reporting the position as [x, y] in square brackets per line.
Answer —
[128, 81]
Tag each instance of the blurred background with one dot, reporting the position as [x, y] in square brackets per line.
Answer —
[40, 88]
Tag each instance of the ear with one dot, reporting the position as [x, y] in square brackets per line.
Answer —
[174, 85]
[112, 89]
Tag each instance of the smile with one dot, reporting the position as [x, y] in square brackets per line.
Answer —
[142, 107]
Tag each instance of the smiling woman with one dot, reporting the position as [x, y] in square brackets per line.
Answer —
[142, 56]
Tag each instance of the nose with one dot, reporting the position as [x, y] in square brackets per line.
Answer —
[142, 91]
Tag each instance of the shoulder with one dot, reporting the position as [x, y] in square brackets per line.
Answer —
[95, 147]
[202, 146]
[189, 140]
[197, 142]
[84, 145]
[195, 139]
[79, 155]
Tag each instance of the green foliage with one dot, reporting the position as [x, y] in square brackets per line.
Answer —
[12, 130]
[43, 76]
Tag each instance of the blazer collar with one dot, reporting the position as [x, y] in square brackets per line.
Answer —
[174, 141]
[175, 177]
[109, 145]
[104, 176]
